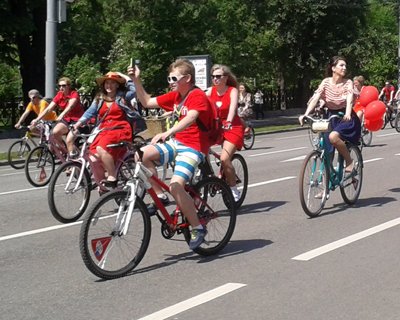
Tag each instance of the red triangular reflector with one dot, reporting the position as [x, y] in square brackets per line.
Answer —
[99, 246]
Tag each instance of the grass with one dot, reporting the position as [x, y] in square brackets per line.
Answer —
[270, 129]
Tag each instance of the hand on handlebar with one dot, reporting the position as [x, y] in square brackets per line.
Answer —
[226, 125]
[161, 137]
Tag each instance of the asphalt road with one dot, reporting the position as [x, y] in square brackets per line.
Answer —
[279, 265]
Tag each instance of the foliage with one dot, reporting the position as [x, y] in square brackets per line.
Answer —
[10, 83]
[84, 73]
[271, 44]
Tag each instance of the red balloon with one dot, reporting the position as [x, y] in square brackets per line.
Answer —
[368, 94]
[373, 125]
[374, 110]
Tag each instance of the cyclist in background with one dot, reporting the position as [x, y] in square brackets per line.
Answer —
[224, 95]
[337, 92]
[112, 109]
[245, 108]
[387, 93]
[188, 144]
[69, 102]
[36, 105]
[358, 82]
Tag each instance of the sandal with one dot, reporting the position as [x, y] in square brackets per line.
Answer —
[319, 195]
[109, 183]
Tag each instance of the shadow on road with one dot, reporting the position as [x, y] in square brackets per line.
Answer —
[260, 207]
[233, 248]
[361, 203]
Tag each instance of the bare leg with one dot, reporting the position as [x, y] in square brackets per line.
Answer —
[108, 163]
[97, 168]
[339, 144]
[59, 130]
[183, 200]
[228, 150]
[151, 154]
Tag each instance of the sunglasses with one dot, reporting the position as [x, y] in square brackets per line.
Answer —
[62, 85]
[174, 79]
[217, 76]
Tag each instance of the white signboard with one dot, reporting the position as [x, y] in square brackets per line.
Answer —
[202, 65]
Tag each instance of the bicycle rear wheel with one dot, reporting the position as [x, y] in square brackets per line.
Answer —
[242, 177]
[392, 119]
[351, 187]
[216, 211]
[105, 250]
[17, 154]
[39, 166]
[68, 198]
[249, 138]
[313, 184]
[366, 137]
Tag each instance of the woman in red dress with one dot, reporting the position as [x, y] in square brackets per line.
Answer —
[112, 110]
[224, 96]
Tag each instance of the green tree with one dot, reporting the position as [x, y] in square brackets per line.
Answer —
[22, 40]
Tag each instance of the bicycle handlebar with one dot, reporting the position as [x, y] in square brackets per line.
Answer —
[324, 120]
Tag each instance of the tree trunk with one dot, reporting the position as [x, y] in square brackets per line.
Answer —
[282, 95]
[302, 92]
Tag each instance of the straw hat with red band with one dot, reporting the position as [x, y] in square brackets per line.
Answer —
[111, 76]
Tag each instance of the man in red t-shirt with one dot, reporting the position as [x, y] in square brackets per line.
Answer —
[387, 93]
[188, 144]
[69, 102]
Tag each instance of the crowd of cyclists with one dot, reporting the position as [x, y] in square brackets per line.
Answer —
[186, 144]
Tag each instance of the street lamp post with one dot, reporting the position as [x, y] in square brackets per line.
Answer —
[56, 13]
[51, 40]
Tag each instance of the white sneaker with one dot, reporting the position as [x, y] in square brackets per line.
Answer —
[236, 194]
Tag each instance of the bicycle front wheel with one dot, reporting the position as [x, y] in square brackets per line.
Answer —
[217, 213]
[107, 251]
[351, 187]
[39, 166]
[397, 122]
[313, 184]
[249, 139]
[17, 154]
[68, 194]
[242, 177]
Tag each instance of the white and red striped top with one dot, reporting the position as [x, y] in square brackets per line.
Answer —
[335, 95]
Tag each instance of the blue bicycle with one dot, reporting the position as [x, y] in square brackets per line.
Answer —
[323, 171]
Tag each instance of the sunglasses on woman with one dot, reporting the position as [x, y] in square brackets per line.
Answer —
[217, 76]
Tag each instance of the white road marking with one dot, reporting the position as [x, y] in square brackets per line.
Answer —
[21, 190]
[372, 160]
[347, 240]
[11, 174]
[387, 134]
[277, 151]
[41, 230]
[270, 181]
[291, 137]
[193, 302]
[295, 159]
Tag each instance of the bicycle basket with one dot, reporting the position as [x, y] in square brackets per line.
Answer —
[321, 126]
[155, 125]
